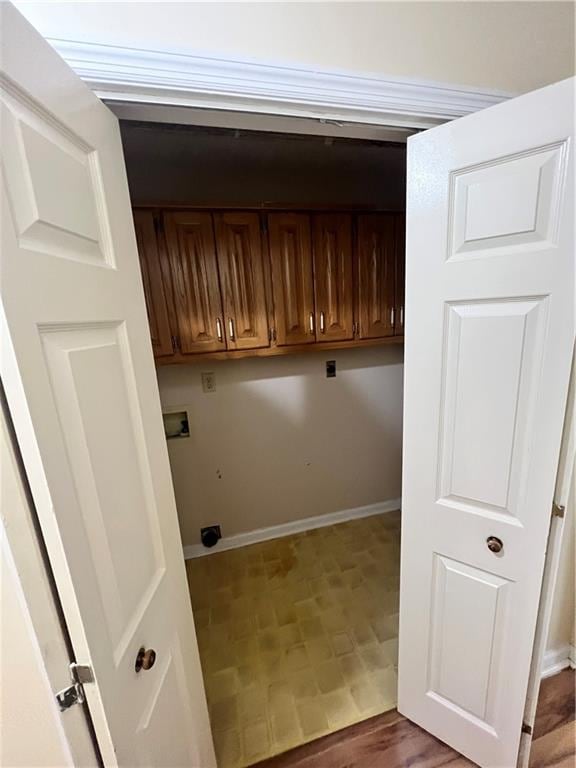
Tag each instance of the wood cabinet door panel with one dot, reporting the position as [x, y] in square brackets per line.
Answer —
[198, 304]
[333, 282]
[154, 289]
[376, 254]
[400, 272]
[241, 265]
[292, 277]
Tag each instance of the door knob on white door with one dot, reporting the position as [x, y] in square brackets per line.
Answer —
[494, 544]
[145, 659]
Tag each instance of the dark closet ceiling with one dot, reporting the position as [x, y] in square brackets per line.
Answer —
[170, 163]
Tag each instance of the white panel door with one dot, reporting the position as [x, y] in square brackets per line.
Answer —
[489, 337]
[79, 376]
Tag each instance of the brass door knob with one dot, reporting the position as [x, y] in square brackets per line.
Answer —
[145, 659]
[494, 544]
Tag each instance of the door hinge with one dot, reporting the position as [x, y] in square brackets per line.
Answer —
[527, 729]
[80, 674]
[557, 510]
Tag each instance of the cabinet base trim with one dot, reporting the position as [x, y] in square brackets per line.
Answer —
[289, 349]
[286, 529]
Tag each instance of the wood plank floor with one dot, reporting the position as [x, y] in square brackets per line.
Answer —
[391, 741]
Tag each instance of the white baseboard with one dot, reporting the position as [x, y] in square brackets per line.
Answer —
[557, 659]
[285, 529]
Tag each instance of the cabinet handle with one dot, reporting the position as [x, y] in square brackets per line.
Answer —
[392, 316]
[312, 323]
[402, 316]
[219, 329]
[322, 325]
[231, 329]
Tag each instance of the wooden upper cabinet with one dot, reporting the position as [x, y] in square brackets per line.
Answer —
[214, 283]
[376, 268]
[332, 247]
[400, 238]
[146, 228]
[292, 277]
[242, 276]
[194, 268]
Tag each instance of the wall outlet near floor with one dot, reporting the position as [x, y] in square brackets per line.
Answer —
[210, 535]
[209, 382]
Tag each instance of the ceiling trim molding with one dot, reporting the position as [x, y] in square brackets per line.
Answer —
[118, 74]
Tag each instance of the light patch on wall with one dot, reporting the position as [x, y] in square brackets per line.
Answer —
[287, 396]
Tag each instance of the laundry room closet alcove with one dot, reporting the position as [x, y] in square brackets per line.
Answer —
[273, 270]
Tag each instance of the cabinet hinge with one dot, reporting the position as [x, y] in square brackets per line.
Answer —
[527, 729]
[80, 674]
[557, 510]
[175, 343]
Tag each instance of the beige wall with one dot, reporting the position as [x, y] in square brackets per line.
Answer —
[278, 441]
[512, 46]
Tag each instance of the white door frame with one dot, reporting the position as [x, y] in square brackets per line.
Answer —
[168, 87]
[140, 77]
[72, 740]
[564, 479]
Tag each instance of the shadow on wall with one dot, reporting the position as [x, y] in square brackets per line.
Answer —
[194, 165]
[278, 441]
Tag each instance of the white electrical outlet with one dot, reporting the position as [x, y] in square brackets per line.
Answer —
[209, 382]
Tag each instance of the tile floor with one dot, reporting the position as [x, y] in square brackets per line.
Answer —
[298, 636]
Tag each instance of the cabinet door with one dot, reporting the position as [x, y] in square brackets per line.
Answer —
[332, 239]
[241, 265]
[400, 238]
[198, 305]
[146, 228]
[292, 277]
[376, 254]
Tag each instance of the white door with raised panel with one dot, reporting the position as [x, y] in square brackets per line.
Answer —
[79, 376]
[489, 338]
